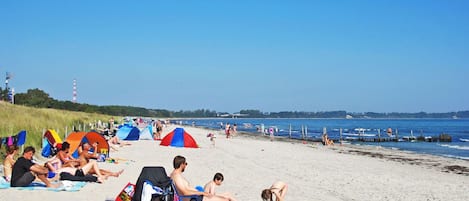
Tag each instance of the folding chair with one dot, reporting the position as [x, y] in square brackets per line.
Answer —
[179, 197]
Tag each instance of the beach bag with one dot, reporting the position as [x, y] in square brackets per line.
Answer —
[160, 182]
[126, 193]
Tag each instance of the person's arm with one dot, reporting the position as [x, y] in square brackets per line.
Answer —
[186, 190]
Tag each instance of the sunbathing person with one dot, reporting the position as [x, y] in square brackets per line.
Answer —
[65, 157]
[83, 171]
[115, 140]
[217, 180]
[182, 185]
[9, 161]
[85, 157]
[25, 171]
[279, 189]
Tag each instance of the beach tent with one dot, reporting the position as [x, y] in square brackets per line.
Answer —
[127, 132]
[50, 138]
[179, 138]
[76, 138]
[146, 133]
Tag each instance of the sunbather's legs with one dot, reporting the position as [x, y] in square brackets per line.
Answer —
[91, 165]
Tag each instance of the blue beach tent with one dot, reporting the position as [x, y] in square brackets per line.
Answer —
[127, 132]
[146, 133]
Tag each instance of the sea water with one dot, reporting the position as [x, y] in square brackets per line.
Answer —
[312, 129]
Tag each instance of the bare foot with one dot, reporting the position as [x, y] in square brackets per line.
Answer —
[100, 180]
[53, 186]
[120, 172]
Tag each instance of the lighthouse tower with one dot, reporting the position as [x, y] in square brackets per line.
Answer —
[74, 98]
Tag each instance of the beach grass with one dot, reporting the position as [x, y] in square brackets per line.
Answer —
[14, 118]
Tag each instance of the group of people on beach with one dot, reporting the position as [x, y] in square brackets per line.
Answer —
[277, 190]
[62, 166]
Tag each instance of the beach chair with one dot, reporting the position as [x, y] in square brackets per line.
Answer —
[179, 197]
[157, 177]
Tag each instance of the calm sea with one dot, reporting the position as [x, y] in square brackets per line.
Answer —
[312, 129]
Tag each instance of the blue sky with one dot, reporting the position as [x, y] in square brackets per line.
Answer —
[358, 56]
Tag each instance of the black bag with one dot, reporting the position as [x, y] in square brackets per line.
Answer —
[158, 177]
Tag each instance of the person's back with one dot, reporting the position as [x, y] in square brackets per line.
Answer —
[9, 161]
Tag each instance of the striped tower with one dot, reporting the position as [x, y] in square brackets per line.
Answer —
[74, 98]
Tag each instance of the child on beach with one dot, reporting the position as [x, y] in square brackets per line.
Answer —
[210, 187]
[278, 188]
[212, 138]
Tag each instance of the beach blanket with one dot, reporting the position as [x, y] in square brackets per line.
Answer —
[63, 186]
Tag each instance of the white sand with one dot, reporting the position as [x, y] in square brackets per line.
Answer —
[313, 172]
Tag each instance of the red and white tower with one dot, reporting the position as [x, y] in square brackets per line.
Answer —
[74, 99]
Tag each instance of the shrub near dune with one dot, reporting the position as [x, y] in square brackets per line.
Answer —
[14, 118]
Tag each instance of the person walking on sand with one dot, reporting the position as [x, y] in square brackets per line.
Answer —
[278, 188]
[25, 170]
[217, 180]
[182, 185]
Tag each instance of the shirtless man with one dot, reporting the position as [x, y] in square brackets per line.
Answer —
[278, 188]
[182, 185]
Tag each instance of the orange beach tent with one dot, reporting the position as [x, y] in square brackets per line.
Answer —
[76, 138]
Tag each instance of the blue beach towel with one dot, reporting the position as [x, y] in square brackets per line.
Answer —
[64, 186]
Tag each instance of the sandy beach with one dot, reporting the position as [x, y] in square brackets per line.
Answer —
[312, 171]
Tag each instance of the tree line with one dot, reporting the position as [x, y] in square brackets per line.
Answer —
[40, 99]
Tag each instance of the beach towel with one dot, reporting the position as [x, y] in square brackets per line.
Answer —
[63, 186]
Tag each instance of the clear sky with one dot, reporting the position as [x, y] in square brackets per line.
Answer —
[229, 55]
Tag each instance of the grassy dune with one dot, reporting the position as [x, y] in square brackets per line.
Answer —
[14, 118]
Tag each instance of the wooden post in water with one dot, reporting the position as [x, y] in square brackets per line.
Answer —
[302, 132]
[306, 132]
[340, 132]
[379, 135]
[397, 137]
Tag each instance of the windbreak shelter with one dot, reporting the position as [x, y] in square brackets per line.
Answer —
[50, 138]
[179, 138]
[75, 139]
[146, 133]
[127, 132]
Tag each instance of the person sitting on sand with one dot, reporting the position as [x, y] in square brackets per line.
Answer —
[278, 188]
[25, 171]
[85, 157]
[182, 185]
[326, 140]
[65, 157]
[217, 180]
[9, 161]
